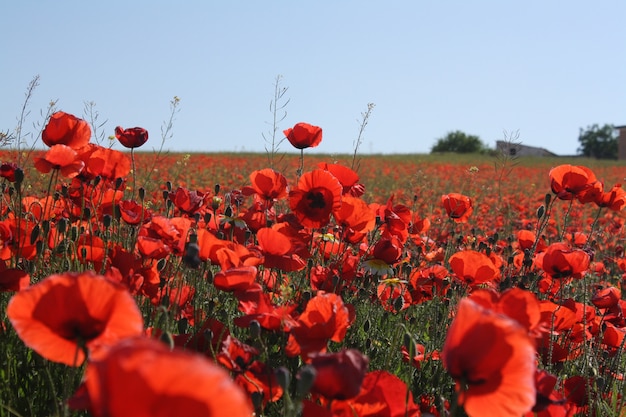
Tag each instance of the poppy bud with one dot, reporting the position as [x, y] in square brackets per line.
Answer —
[283, 377]
[306, 378]
[541, 211]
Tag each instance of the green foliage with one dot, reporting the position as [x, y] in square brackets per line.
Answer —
[598, 142]
[459, 142]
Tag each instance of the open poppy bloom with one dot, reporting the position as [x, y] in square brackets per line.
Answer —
[142, 377]
[473, 267]
[614, 199]
[492, 359]
[570, 181]
[304, 135]
[67, 314]
[347, 177]
[132, 137]
[7, 171]
[187, 201]
[104, 162]
[458, 206]
[60, 157]
[318, 195]
[561, 261]
[66, 129]
[268, 184]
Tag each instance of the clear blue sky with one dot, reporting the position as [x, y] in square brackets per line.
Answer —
[542, 68]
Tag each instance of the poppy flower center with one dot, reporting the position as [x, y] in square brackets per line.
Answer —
[74, 329]
[316, 200]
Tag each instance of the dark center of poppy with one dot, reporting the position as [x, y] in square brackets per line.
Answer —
[316, 200]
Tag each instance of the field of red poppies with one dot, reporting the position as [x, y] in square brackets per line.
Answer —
[154, 284]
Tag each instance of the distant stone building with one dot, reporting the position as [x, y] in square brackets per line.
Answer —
[621, 142]
[517, 149]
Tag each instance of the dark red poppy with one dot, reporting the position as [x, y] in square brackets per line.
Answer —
[317, 196]
[133, 213]
[257, 306]
[388, 249]
[7, 171]
[562, 261]
[142, 377]
[132, 137]
[339, 376]
[606, 297]
[66, 129]
[458, 206]
[304, 135]
[12, 279]
[66, 313]
[325, 318]
[60, 157]
[569, 182]
[492, 359]
[473, 267]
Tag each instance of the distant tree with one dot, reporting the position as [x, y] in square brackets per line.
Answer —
[459, 142]
[598, 142]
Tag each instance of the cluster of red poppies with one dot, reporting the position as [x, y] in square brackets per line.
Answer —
[290, 259]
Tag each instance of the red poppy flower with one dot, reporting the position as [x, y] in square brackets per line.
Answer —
[60, 315]
[492, 359]
[304, 135]
[12, 279]
[561, 261]
[66, 129]
[132, 137]
[606, 297]
[382, 395]
[356, 218]
[255, 303]
[458, 206]
[614, 199]
[324, 318]
[60, 157]
[133, 213]
[388, 249]
[473, 267]
[269, 184]
[339, 376]
[235, 279]
[347, 177]
[569, 182]
[318, 195]
[279, 250]
[142, 377]
[7, 170]
[187, 201]
[104, 162]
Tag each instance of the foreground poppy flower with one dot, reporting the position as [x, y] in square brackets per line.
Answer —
[570, 181]
[268, 184]
[458, 206]
[614, 199]
[60, 157]
[492, 360]
[66, 314]
[142, 377]
[473, 267]
[66, 129]
[561, 261]
[339, 375]
[304, 135]
[318, 195]
[132, 137]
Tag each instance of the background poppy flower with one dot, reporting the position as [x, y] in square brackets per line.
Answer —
[66, 129]
[561, 261]
[60, 315]
[7, 170]
[318, 195]
[132, 137]
[473, 267]
[142, 377]
[458, 206]
[492, 359]
[269, 184]
[570, 181]
[304, 135]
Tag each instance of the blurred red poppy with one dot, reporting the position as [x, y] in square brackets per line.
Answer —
[66, 314]
[317, 196]
[458, 206]
[304, 135]
[66, 129]
[325, 318]
[60, 157]
[606, 297]
[12, 279]
[614, 199]
[492, 360]
[339, 376]
[142, 377]
[569, 182]
[235, 279]
[104, 162]
[133, 213]
[257, 306]
[132, 137]
[7, 171]
[561, 261]
[473, 267]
